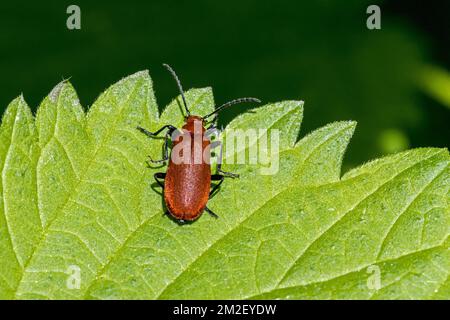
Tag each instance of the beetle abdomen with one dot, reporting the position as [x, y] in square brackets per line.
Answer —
[188, 180]
[186, 190]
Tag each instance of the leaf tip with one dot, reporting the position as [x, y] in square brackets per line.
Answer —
[19, 101]
[199, 91]
[348, 126]
[56, 91]
[351, 124]
[16, 109]
[132, 79]
[292, 105]
[143, 74]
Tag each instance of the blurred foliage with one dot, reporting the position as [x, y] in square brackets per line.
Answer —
[392, 141]
[436, 82]
[317, 51]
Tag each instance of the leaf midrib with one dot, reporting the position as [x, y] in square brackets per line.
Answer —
[272, 199]
[144, 224]
[250, 215]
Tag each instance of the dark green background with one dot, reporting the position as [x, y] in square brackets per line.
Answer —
[317, 51]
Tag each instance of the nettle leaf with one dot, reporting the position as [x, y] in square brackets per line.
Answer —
[79, 199]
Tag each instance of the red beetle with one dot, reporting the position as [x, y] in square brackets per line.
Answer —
[187, 183]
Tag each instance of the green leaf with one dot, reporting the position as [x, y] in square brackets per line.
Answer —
[77, 193]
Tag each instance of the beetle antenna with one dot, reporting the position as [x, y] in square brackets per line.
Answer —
[230, 103]
[174, 75]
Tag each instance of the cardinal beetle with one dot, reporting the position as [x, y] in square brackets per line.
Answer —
[187, 186]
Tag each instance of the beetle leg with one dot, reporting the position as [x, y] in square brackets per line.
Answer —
[228, 174]
[160, 175]
[165, 148]
[211, 212]
[152, 134]
[178, 221]
[212, 131]
[219, 165]
[213, 123]
[216, 177]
